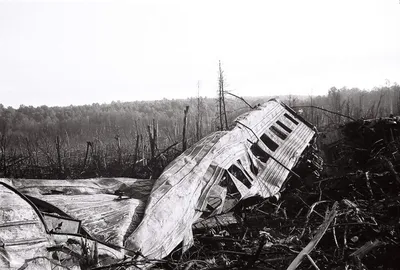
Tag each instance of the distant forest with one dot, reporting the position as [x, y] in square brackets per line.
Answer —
[112, 139]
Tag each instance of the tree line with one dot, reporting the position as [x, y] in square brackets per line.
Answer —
[139, 138]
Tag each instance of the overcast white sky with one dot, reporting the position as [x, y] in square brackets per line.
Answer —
[80, 52]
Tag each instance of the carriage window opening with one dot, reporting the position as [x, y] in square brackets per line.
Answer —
[212, 204]
[238, 173]
[269, 142]
[245, 171]
[282, 125]
[231, 188]
[291, 118]
[278, 133]
[253, 168]
[259, 153]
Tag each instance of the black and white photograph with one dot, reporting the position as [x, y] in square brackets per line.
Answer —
[187, 135]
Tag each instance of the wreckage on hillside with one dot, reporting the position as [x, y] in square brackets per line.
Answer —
[102, 221]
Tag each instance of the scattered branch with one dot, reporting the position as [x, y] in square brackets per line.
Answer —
[242, 99]
[325, 110]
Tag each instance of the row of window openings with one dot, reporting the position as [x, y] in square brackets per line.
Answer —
[272, 145]
[259, 153]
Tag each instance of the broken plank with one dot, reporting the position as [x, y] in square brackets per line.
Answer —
[314, 242]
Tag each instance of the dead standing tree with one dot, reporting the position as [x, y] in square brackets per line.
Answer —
[3, 148]
[153, 138]
[335, 96]
[199, 116]
[89, 145]
[221, 100]
[184, 140]
[59, 161]
[119, 150]
[135, 160]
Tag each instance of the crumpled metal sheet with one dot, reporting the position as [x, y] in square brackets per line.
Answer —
[135, 188]
[180, 195]
[22, 233]
[105, 217]
[108, 218]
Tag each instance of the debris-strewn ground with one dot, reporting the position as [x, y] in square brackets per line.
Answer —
[357, 201]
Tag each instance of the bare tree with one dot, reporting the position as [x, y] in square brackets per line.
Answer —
[221, 100]
[153, 134]
[184, 140]
[58, 148]
[199, 115]
[336, 103]
[381, 95]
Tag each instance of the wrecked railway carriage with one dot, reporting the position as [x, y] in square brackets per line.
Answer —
[50, 219]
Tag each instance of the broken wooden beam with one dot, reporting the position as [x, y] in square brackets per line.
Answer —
[314, 242]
